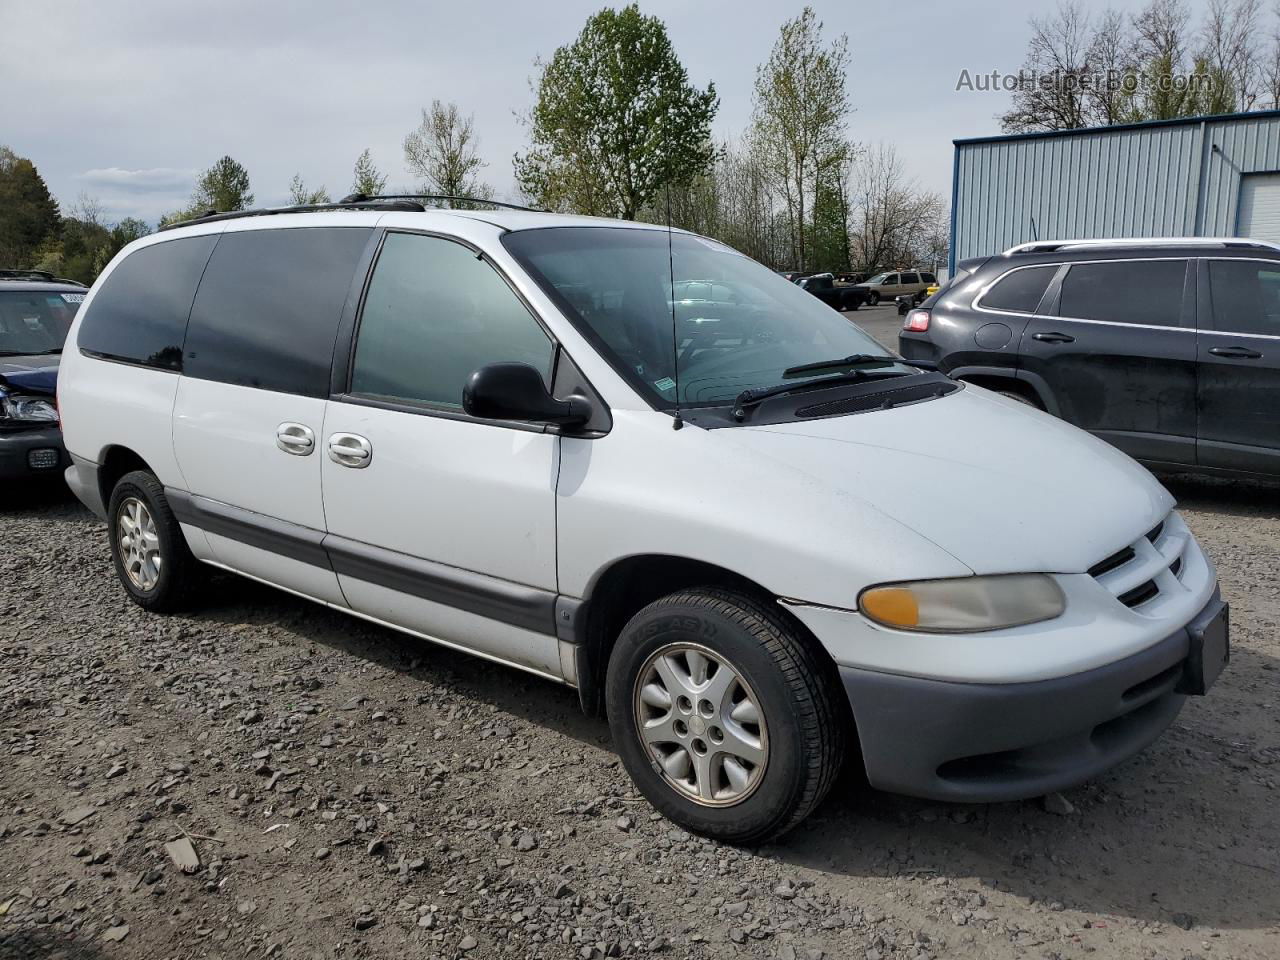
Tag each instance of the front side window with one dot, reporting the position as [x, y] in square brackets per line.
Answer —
[1019, 291]
[139, 314]
[1147, 292]
[268, 308]
[33, 322]
[435, 314]
[615, 284]
[1246, 296]
[890, 280]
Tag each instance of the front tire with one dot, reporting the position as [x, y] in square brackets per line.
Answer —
[873, 299]
[150, 554]
[724, 714]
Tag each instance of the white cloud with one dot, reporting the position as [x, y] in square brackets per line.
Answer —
[154, 180]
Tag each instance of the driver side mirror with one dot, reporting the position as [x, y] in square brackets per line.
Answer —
[515, 391]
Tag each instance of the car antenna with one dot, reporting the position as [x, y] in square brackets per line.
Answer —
[678, 422]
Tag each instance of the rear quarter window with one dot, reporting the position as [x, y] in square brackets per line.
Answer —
[1019, 291]
[267, 312]
[139, 315]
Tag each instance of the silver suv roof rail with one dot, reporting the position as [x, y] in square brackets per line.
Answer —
[1049, 246]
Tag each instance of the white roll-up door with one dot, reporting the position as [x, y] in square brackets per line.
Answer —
[1259, 217]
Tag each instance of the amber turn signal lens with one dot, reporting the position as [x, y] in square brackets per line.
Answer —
[893, 606]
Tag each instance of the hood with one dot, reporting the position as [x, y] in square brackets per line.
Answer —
[38, 374]
[1000, 486]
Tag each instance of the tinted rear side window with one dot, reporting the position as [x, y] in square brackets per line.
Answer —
[1019, 290]
[268, 308]
[1148, 292]
[141, 310]
[1246, 296]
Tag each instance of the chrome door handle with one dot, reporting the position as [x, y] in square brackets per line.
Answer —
[295, 438]
[350, 450]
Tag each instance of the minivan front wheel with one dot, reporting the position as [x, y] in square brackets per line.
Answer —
[723, 715]
[150, 554]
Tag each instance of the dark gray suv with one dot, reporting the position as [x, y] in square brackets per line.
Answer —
[1167, 348]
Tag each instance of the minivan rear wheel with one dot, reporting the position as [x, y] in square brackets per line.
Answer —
[150, 554]
[724, 715]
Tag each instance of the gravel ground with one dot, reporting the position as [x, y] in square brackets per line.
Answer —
[339, 790]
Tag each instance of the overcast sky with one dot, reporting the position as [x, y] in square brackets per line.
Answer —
[127, 100]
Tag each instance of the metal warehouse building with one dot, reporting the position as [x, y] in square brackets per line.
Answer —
[1198, 176]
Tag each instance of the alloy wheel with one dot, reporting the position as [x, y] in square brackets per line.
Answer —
[701, 724]
[139, 544]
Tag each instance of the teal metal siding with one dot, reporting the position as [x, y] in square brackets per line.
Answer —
[1143, 180]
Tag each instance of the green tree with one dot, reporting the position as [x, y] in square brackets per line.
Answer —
[301, 196]
[366, 178]
[800, 117]
[444, 153]
[223, 187]
[29, 217]
[616, 120]
[86, 243]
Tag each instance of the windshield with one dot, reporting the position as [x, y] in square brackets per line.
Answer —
[35, 321]
[738, 325]
[878, 278]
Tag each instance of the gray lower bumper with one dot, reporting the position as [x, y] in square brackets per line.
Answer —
[17, 447]
[82, 478]
[976, 742]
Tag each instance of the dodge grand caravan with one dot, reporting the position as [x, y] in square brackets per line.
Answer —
[753, 538]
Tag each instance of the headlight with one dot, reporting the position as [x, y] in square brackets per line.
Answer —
[965, 604]
[28, 408]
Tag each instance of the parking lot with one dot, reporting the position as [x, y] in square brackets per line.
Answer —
[350, 792]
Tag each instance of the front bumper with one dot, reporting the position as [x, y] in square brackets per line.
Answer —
[32, 453]
[985, 742]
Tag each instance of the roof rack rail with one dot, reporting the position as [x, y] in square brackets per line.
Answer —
[42, 276]
[1050, 246]
[483, 201]
[406, 202]
[213, 216]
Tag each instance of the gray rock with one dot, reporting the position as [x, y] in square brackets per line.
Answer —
[1057, 804]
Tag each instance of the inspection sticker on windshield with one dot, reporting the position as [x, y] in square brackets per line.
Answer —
[73, 297]
[666, 383]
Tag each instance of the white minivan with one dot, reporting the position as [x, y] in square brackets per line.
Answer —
[753, 538]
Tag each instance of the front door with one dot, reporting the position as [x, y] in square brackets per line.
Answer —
[1239, 358]
[438, 522]
[1117, 352]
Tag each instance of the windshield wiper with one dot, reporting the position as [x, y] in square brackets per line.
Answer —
[28, 353]
[856, 360]
[756, 396]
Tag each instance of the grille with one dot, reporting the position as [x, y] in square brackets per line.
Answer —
[878, 400]
[1139, 574]
[42, 458]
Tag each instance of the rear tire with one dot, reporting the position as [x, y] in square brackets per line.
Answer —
[150, 554]
[724, 714]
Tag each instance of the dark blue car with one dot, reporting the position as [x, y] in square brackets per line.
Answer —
[36, 310]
